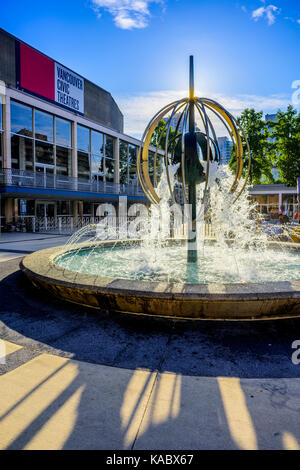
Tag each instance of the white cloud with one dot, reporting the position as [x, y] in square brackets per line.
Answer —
[268, 11]
[139, 109]
[127, 14]
[298, 21]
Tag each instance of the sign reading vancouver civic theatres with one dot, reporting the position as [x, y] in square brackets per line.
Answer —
[69, 89]
[40, 75]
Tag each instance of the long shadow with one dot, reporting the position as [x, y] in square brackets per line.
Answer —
[190, 397]
[119, 411]
[248, 349]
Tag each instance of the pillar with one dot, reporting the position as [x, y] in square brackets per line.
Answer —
[9, 209]
[279, 202]
[117, 159]
[74, 155]
[6, 122]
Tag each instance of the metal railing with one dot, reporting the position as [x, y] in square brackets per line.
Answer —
[33, 179]
[68, 224]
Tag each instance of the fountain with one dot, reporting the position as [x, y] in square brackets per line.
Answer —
[221, 265]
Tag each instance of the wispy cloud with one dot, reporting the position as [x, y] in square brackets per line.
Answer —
[139, 109]
[127, 14]
[267, 11]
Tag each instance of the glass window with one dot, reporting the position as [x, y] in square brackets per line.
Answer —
[109, 170]
[21, 153]
[132, 163]
[1, 119]
[62, 132]
[63, 208]
[123, 151]
[109, 147]
[83, 138]
[43, 126]
[44, 153]
[97, 143]
[63, 161]
[97, 164]
[87, 208]
[21, 118]
[132, 154]
[123, 155]
[83, 165]
[1, 150]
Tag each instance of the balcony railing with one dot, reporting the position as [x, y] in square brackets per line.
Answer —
[32, 179]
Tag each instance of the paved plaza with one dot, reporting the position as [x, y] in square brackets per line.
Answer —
[71, 378]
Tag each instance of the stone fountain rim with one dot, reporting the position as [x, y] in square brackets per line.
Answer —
[41, 265]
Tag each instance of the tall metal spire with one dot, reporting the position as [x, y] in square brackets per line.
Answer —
[192, 92]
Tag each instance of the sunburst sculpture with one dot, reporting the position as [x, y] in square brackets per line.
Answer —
[195, 147]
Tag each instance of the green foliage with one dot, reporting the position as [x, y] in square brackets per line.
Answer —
[286, 146]
[257, 132]
[161, 128]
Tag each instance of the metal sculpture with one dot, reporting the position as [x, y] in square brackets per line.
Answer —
[192, 144]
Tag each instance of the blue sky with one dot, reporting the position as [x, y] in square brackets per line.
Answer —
[246, 52]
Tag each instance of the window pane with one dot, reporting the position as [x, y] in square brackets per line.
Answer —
[87, 208]
[21, 153]
[123, 149]
[63, 161]
[43, 126]
[109, 170]
[132, 154]
[123, 152]
[97, 143]
[132, 163]
[109, 147]
[62, 132]
[44, 153]
[1, 109]
[63, 208]
[21, 119]
[83, 165]
[97, 164]
[83, 138]
[133, 174]
[1, 150]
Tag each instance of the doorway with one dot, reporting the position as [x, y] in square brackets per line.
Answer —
[45, 209]
[44, 176]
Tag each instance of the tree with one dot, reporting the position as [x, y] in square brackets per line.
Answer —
[155, 140]
[286, 145]
[257, 133]
[162, 128]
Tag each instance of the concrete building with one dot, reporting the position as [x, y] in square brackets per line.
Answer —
[62, 146]
[275, 199]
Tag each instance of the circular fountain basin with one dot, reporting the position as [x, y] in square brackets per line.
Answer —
[182, 301]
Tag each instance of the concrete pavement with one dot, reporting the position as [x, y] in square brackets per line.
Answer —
[16, 244]
[74, 379]
[52, 402]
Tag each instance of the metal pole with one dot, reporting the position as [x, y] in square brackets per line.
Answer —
[192, 235]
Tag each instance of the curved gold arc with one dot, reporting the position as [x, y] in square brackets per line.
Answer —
[249, 164]
[139, 169]
[207, 142]
[229, 119]
[167, 144]
[143, 172]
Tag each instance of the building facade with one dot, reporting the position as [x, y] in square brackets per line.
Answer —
[276, 199]
[62, 146]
